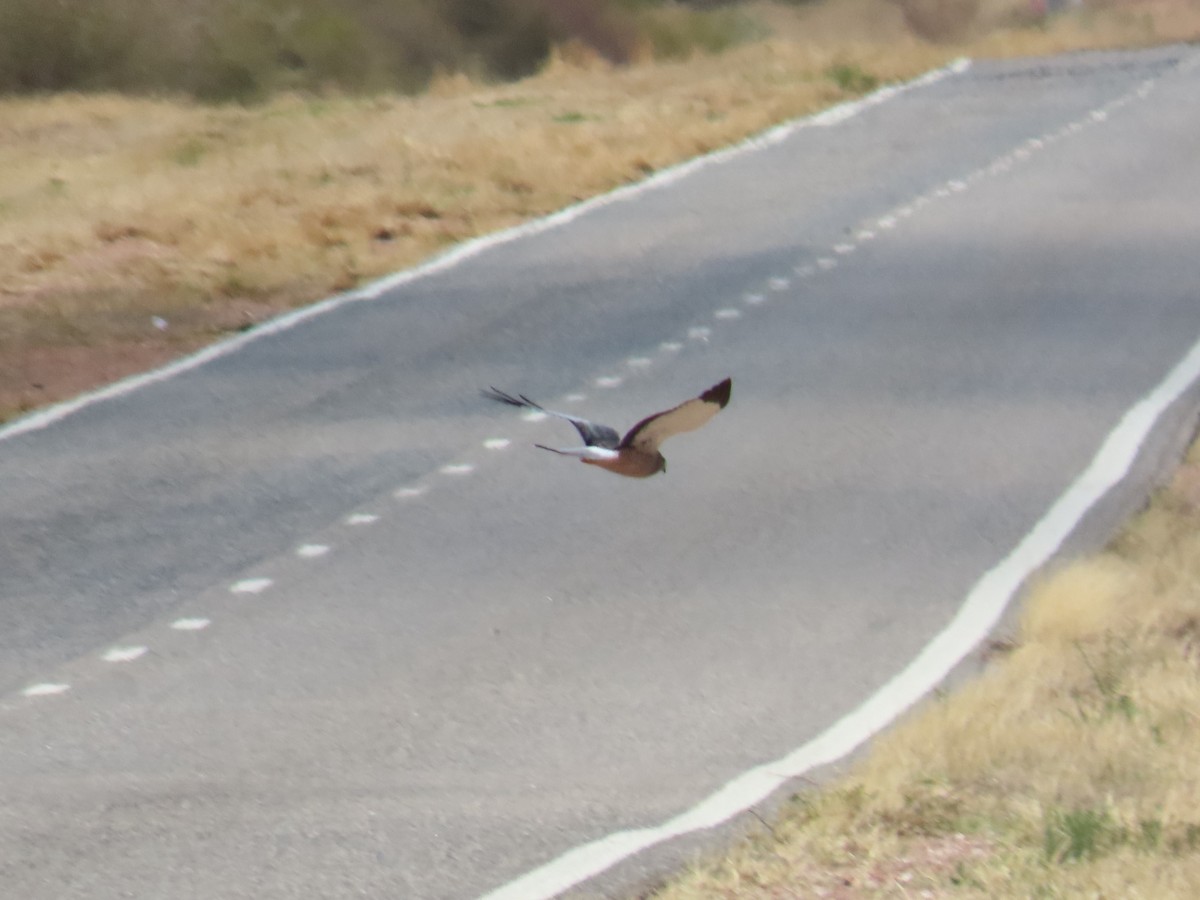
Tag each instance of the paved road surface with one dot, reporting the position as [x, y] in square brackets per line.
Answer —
[933, 312]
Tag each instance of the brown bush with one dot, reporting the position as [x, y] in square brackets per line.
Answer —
[940, 21]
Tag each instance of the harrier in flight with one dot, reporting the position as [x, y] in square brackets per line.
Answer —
[635, 455]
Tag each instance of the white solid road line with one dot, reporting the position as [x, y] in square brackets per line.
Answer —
[979, 613]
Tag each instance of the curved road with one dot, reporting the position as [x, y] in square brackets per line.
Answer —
[313, 619]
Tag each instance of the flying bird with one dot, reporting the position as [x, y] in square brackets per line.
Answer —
[635, 455]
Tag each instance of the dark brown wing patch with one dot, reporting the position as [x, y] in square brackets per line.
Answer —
[719, 393]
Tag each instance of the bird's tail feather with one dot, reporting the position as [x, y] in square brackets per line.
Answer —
[502, 397]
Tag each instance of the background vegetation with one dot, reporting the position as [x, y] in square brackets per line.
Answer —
[246, 49]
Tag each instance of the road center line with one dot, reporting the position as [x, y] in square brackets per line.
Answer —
[250, 586]
[45, 689]
[191, 624]
[124, 654]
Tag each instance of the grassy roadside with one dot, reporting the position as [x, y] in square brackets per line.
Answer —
[133, 230]
[1070, 768]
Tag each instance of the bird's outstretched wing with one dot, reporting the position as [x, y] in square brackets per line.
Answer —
[647, 434]
[593, 434]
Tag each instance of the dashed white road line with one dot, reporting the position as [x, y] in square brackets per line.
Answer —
[191, 623]
[250, 586]
[309, 551]
[124, 654]
[45, 689]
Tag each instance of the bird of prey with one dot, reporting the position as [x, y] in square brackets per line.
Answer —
[635, 455]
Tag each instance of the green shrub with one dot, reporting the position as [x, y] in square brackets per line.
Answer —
[851, 78]
[51, 45]
[240, 50]
[676, 31]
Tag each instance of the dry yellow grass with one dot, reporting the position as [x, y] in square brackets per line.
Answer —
[116, 210]
[1070, 768]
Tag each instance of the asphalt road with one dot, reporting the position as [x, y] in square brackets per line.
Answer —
[933, 312]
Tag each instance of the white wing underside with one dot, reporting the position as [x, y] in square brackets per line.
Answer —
[649, 434]
[596, 453]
